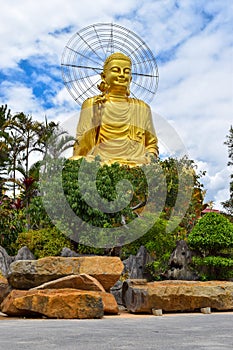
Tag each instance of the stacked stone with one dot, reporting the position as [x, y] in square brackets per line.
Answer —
[61, 287]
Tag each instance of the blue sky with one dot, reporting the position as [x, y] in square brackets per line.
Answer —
[191, 40]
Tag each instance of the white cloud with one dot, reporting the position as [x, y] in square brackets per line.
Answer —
[196, 92]
[26, 25]
[215, 182]
[13, 93]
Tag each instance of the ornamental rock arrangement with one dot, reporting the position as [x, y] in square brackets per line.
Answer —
[61, 287]
[88, 287]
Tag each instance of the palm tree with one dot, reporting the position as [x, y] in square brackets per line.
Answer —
[58, 143]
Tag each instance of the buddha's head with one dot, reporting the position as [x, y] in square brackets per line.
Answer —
[116, 75]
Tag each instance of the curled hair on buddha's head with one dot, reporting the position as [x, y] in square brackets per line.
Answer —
[103, 86]
[116, 56]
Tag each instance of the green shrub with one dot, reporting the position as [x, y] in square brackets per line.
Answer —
[214, 267]
[12, 221]
[44, 242]
[212, 233]
[212, 239]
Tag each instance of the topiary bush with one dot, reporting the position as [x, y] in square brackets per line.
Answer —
[212, 239]
[44, 242]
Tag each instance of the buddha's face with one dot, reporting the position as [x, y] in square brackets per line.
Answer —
[117, 75]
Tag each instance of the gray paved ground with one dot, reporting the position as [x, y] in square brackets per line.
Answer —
[184, 331]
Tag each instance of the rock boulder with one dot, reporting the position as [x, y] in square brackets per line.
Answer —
[83, 282]
[179, 263]
[140, 296]
[135, 265]
[5, 261]
[54, 303]
[26, 274]
[67, 252]
[116, 290]
[4, 288]
[24, 253]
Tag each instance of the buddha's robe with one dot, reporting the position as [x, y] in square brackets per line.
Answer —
[116, 131]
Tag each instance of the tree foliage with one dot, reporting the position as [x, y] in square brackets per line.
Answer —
[212, 238]
[212, 233]
[12, 221]
[228, 205]
[20, 137]
[4, 146]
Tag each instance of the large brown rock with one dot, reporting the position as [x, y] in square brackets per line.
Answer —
[26, 274]
[139, 296]
[83, 282]
[4, 288]
[54, 303]
[109, 303]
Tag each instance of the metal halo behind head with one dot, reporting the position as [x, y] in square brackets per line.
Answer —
[85, 53]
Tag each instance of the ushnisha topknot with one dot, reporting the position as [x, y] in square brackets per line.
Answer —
[116, 56]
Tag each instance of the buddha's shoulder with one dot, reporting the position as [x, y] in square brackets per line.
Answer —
[139, 102]
[88, 102]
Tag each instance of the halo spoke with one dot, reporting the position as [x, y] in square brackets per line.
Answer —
[84, 55]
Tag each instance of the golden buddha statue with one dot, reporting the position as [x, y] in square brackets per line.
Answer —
[112, 125]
